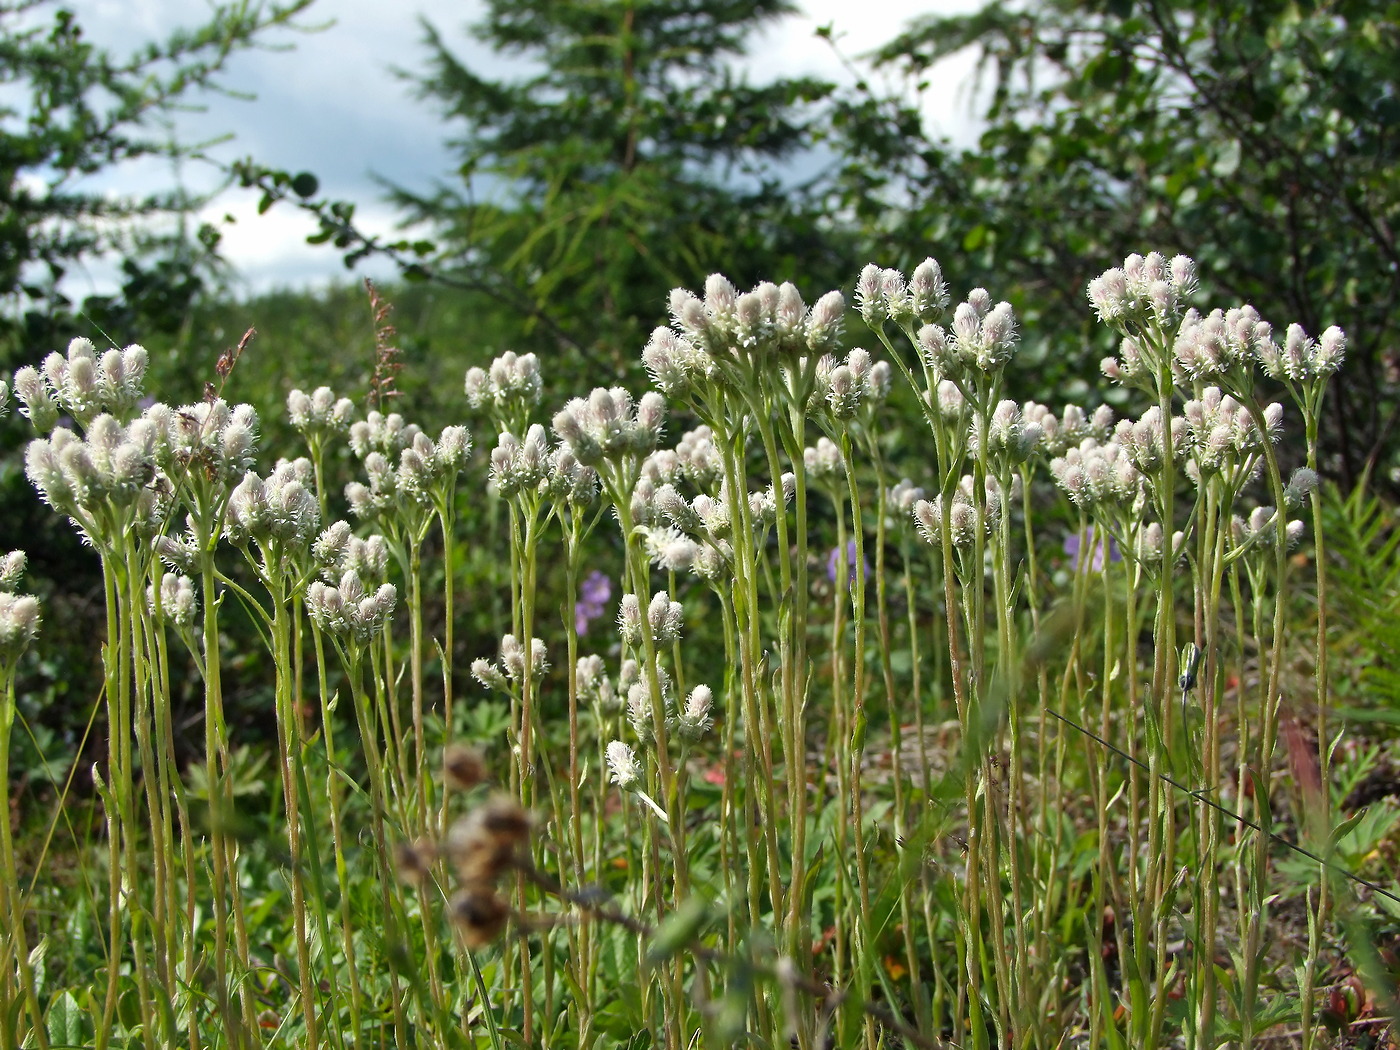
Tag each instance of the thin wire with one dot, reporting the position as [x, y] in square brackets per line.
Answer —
[1198, 796]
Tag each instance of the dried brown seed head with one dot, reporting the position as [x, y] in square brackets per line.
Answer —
[463, 767]
[480, 916]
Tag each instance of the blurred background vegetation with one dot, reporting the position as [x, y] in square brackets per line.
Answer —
[627, 156]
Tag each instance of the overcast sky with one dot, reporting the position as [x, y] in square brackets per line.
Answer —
[329, 102]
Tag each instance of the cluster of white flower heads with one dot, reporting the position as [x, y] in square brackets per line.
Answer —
[280, 509]
[19, 613]
[662, 624]
[1058, 434]
[175, 602]
[206, 442]
[81, 385]
[850, 386]
[823, 463]
[338, 551]
[388, 435]
[520, 466]
[608, 426]
[1011, 437]
[1098, 473]
[769, 324]
[347, 611]
[1145, 289]
[510, 665]
[883, 295]
[962, 513]
[594, 684]
[1301, 359]
[983, 338]
[1148, 441]
[624, 769]
[1260, 531]
[110, 466]
[507, 391]
[320, 414]
[1225, 433]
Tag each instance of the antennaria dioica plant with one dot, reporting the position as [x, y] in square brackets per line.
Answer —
[949, 791]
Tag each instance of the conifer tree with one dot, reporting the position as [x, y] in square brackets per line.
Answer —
[628, 157]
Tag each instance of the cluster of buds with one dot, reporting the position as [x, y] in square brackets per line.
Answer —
[1131, 367]
[594, 685]
[639, 705]
[378, 499]
[111, 466]
[668, 548]
[1147, 289]
[1011, 438]
[823, 462]
[521, 466]
[705, 522]
[710, 519]
[1225, 432]
[695, 459]
[664, 619]
[338, 551]
[693, 719]
[883, 295]
[81, 385]
[1146, 441]
[175, 600]
[510, 670]
[1221, 343]
[1301, 359]
[508, 391]
[769, 320]
[690, 719]
[1095, 474]
[1070, 428]
[1301, 485]
[388, 435]
[676, 365]
[483, 847]
[899, 502]
[279, 509]
[570, 482]
[428, 469]
[849, 386]
[207, 441]
[1261, 528]
[625, 770]
[983, 338]
[609, 426]
[347, 610]
[962, 514]
[320, 414]
[19, 614]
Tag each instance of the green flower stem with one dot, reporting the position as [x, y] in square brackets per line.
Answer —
[335, 798]
[17, 941]
[289, 756]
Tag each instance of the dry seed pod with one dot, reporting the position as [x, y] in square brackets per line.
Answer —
[414, 859]
[463, 767]
[480, 915]
[482, 845]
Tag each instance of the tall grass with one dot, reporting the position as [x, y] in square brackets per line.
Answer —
[859, 762]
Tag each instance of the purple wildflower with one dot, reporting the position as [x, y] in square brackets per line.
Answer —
[833, 563]
[593, 597]
[1096, 544]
